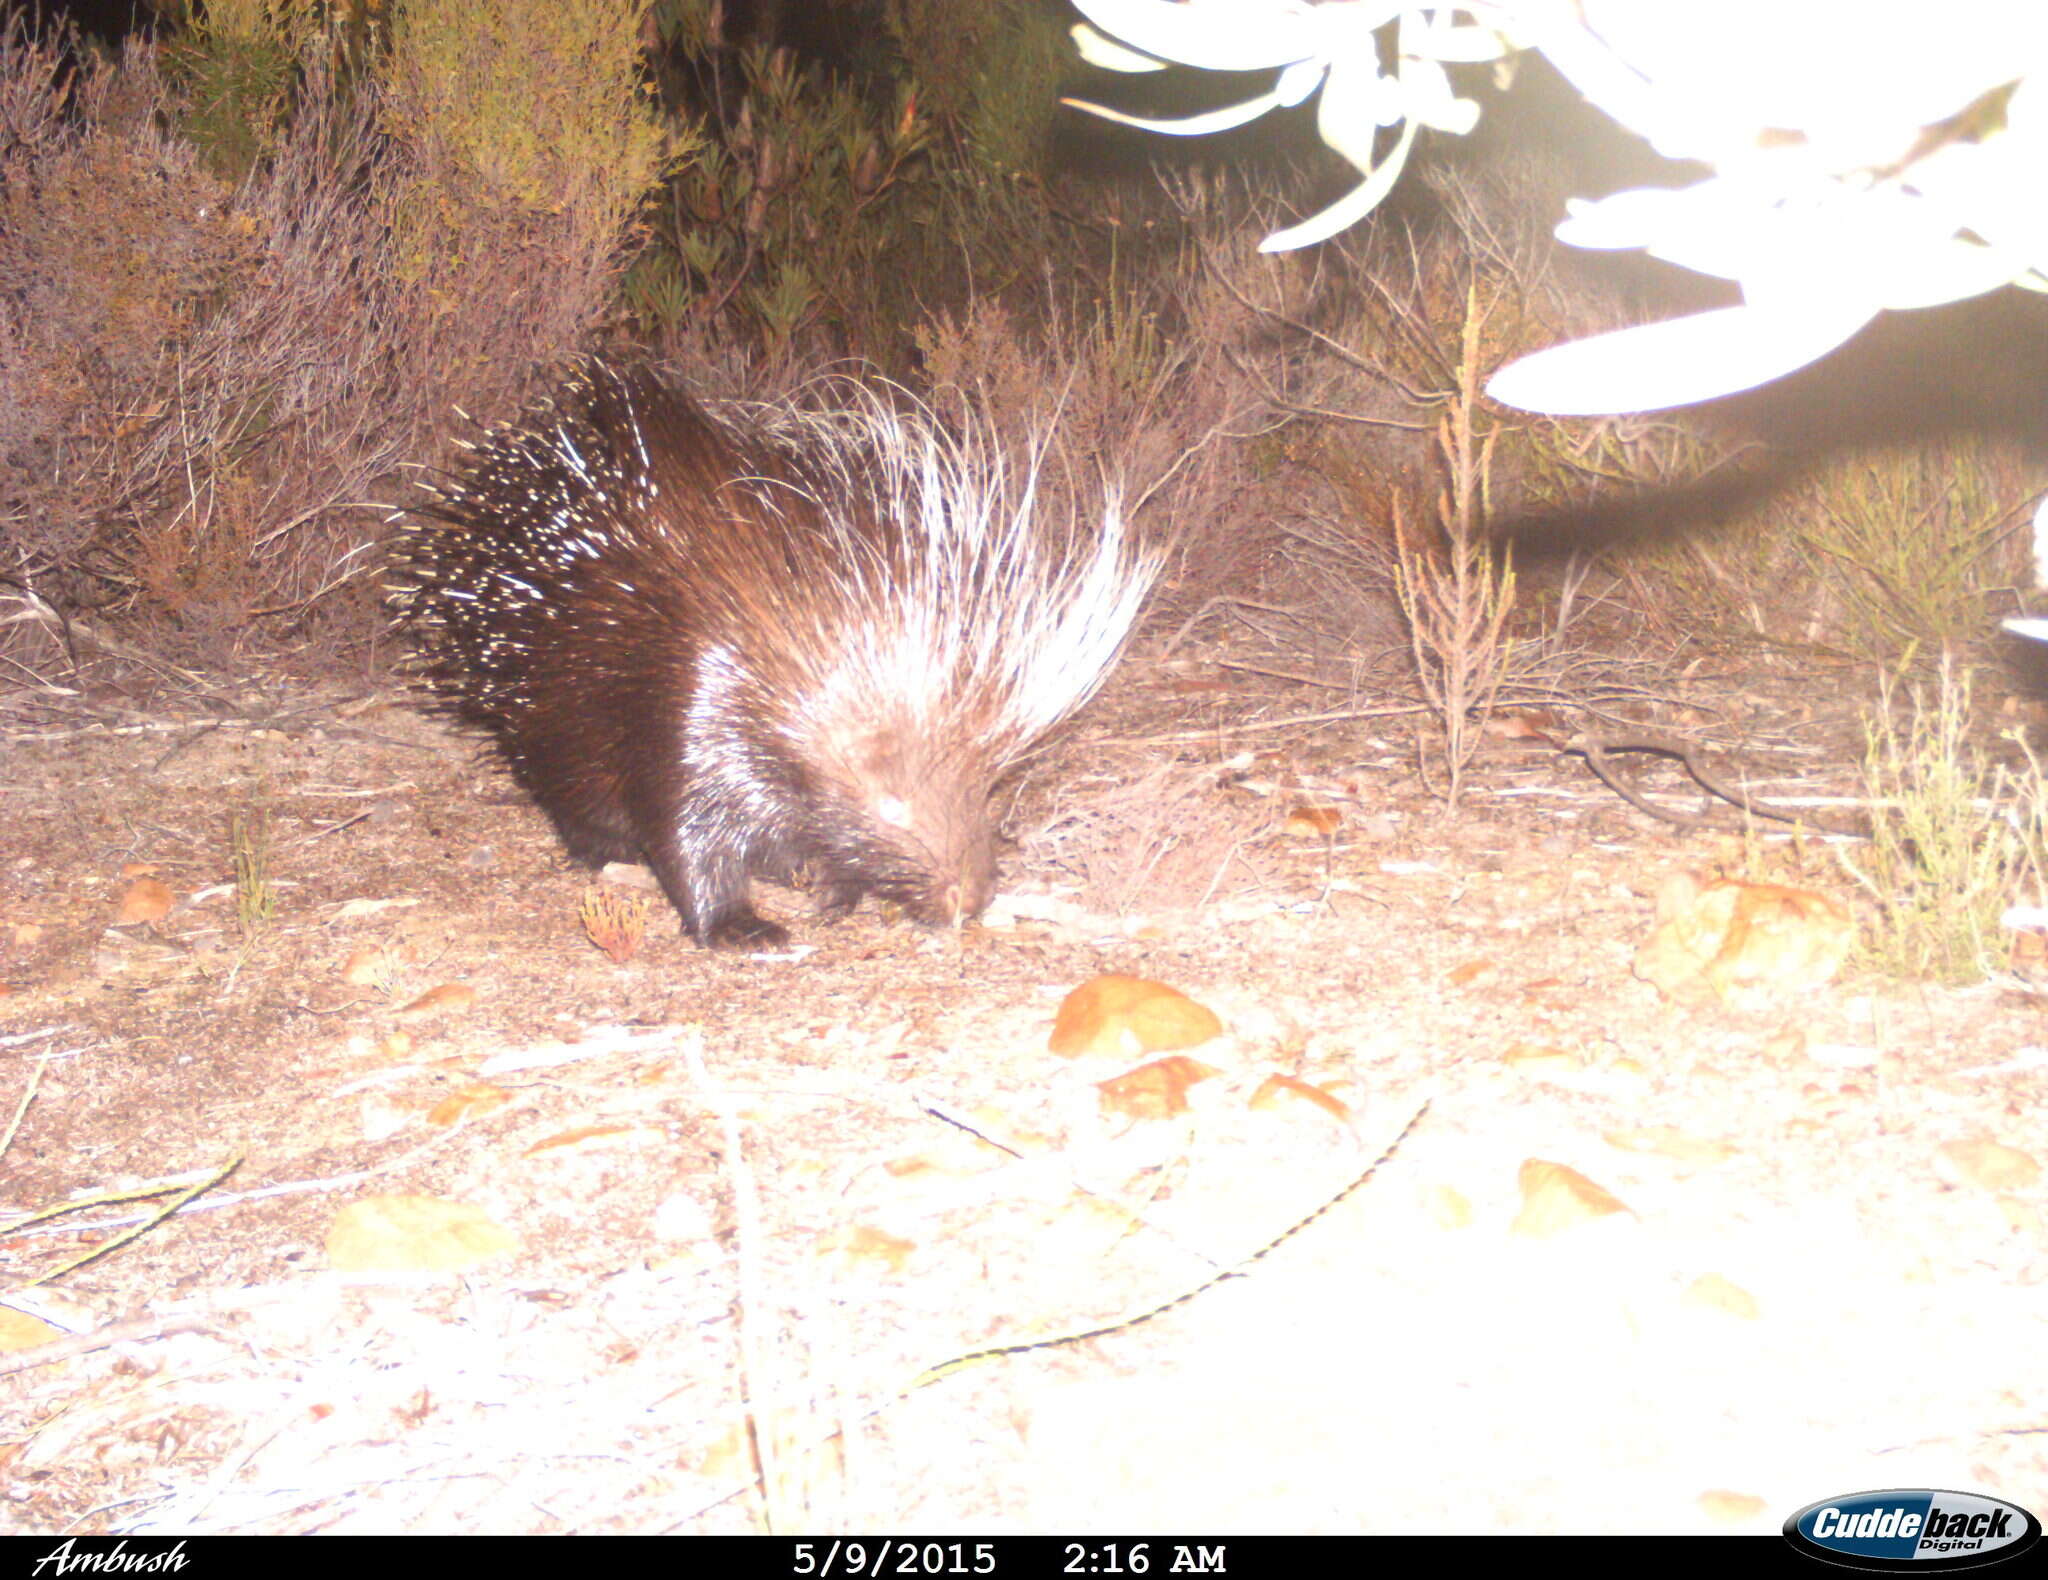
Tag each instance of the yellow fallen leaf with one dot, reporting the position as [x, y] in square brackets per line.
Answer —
[450, 998]
[1665, 1141]
[20, 1331]
[479, 1097]
[1731, 1508]
[1277, 1091]
[1556, 1198]
[387, 1234]
[863, 1244]
[1991, 1164]
[1712, 1292]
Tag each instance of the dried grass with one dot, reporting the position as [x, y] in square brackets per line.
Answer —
[1167, 841]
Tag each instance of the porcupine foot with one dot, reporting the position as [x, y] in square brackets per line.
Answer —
[710, 893]
[837, 901]
[744, 928]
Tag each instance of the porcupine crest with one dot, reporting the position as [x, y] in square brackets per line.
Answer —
[762, 641]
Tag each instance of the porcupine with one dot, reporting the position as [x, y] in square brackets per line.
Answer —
[744, 642]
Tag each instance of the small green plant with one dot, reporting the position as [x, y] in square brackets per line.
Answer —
[793, 210]
[1950, 837]
[255, 899]
[1905, 542]
[235, 61]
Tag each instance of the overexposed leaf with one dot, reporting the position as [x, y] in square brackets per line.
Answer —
[1297, 82]
[1642, 216]
[1434, 35]
[1679, 361]
[1188, 126]
[1352, 207]
[1215, 35]
[1356, 104]
[1424, 94]
[1100, 50]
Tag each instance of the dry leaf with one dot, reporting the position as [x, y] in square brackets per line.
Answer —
[453, 998]
[1991, 1164]
[1470, 971]
[1665, 1141]
[1099, 1016]
[864, 1244]
[581, 1135]
[1002, 1124]
[1748, 943]
[732, 1457]
[1447, 1208]
[1518, 727]
[404, 1234]
[20, 1331]
[1712, 1292]
[1278, 1090]
[1731, 1508]
[146, 900]
[1532, 1058]
[1556, 1198]
[1317, 821]
[369, 967]
[467, 1102]
[1158, 1090]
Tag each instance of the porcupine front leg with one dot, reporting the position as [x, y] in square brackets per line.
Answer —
[709, 890]
[837, 900]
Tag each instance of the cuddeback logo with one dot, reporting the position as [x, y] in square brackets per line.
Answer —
[1913, 1528]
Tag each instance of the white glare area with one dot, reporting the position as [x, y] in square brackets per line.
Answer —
[1866, 155]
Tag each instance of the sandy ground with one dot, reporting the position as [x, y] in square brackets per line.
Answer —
[715, 1212]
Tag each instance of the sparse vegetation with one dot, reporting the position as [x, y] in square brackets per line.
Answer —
[208, 375]
[1952, 838]
[1904, 545]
